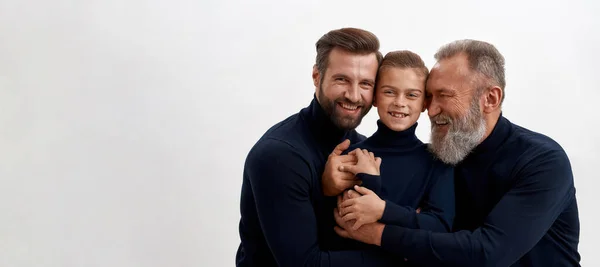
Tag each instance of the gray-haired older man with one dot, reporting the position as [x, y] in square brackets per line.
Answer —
[516, 202]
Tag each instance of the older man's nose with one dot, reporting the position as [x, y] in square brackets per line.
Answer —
[433, 108]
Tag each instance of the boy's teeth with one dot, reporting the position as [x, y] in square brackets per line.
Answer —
[398, 115]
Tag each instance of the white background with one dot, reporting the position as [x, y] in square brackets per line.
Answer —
[124, 124]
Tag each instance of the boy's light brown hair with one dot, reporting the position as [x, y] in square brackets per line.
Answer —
[404, 59]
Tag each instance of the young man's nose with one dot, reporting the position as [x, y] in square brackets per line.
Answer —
[353, 93]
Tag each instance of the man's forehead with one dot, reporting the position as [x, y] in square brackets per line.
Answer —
[346, 61]
[455, 64]
[455, 68]
[342, 54]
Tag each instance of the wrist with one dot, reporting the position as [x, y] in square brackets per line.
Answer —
[378, 234]
[327, 190]
[369, 172]
[380, 209]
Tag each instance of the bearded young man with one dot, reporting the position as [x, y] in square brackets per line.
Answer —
[515, 196]
[285, 219]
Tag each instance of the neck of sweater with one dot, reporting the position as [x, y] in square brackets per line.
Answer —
[486, 149]
[327, 134]
[398, 139]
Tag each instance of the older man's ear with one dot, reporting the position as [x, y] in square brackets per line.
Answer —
[492, 99]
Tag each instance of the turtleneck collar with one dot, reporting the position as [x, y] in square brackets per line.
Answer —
[326, 133]
[390, 138]
[496, 138]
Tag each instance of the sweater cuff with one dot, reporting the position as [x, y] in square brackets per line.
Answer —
[397, 215]
[372, 182]
[411, 244]
[391, 239]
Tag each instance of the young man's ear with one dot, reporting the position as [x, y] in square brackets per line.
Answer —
[316, 77]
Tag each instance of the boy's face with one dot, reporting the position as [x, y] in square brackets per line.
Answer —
[399, 97]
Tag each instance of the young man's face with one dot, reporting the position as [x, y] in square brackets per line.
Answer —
[346, 90]
[399, 97]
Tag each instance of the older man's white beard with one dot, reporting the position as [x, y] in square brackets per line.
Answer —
[462, 137]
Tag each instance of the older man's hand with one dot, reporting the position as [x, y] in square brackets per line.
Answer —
[368, 233]
[335, 181]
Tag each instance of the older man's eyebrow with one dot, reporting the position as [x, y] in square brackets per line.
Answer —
[442, 90]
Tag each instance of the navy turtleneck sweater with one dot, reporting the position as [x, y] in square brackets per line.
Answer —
[410, 178]
[285, 219]
[515, 206]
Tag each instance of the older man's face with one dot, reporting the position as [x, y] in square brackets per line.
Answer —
[454, 108]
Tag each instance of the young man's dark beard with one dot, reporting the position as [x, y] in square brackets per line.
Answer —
[463, 136]
[343, 122]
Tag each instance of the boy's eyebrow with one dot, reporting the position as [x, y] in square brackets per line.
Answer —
[414, 89]
[389, 86]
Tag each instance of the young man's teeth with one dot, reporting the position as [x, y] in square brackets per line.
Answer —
[398, 115]
[350, 107]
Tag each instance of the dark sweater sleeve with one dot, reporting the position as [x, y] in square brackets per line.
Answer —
[281, 184]
[544, 187]
[437, 207]
[372, 182]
